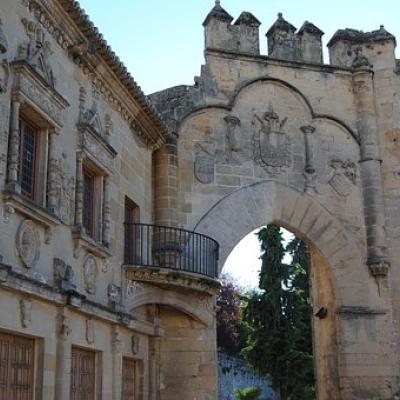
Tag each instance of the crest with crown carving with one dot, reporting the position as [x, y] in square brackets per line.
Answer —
[271, 144]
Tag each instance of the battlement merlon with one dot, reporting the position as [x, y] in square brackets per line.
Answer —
[349, 47]
[241, 37]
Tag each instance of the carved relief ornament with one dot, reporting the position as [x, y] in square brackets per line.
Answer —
[90, 273]
[4, 69]
[28, 243]
[25, 305]
[34, 80]
[271, 144]
[343, 177]
[204, 162]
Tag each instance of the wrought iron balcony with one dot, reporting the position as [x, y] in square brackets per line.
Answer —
[172, 248]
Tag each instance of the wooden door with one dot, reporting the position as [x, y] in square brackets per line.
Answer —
[83, 374]
[128, 379]
[17, 363]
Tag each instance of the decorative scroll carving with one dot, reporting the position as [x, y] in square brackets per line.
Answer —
[65, 188]
[63, 275]
[26, 312]
[90, 338]
[114, 296]
[135, 344]
[28, 243]
[64, 325]
[4, 69]
[36, 51]
[271, 145]
[116, 341]
[343, 176]
[133, 288]
[231, 142]
[204, 162]
[90, 273]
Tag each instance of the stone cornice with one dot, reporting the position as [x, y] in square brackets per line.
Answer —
[87, 48]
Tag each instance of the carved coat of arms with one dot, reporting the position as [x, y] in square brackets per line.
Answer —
[204, 163]
[271, 144]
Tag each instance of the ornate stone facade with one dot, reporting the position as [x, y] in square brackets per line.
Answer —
[283, 139]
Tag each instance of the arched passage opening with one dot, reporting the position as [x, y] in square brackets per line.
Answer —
[338, 274]
[307, 308]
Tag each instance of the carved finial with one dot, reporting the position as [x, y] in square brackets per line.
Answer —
[217, 2]
[280, 15]
[382, 27]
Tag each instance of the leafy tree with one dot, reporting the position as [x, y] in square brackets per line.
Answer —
[279, 341]
[228, 316]
[250, 393]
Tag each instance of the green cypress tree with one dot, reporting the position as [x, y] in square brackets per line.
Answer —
[277, 318]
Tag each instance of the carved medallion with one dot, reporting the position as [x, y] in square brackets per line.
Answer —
[204, 163]
[90, 273]
[28, 243]
[26, 312]
[271, 145]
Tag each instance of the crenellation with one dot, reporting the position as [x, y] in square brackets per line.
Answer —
[352, 48]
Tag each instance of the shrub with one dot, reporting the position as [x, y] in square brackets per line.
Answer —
[250, 393]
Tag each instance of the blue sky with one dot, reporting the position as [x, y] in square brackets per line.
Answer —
[161, 41]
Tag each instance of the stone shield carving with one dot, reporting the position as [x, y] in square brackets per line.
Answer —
[28, 243]
[90, 273]
[343, 177]
[271, 144]
[204, 163]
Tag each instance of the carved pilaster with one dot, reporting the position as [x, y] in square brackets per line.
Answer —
[116, 345]
[63, 361]
[371, 175]
[13, 150]
[52, 198]
[79, 191]
[309, 170]
[106, 232]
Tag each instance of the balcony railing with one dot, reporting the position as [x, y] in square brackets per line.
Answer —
[166, 247]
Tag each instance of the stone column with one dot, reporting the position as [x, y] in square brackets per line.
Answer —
[52, 195]
[370, 170]
[13, 148]
[79, 191]
[309, 169]
[63, 358]
[166, 188]
[106, 231]
[116, 346]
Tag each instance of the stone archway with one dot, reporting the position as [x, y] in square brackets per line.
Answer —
[336, 261]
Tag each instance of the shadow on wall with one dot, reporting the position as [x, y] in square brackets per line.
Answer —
[234, 373]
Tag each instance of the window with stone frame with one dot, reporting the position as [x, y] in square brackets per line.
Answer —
[30, 158]
[93, 182]
[29, 143]
[132, 231]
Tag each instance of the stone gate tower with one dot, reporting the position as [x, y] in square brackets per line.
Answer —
[314, 147]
